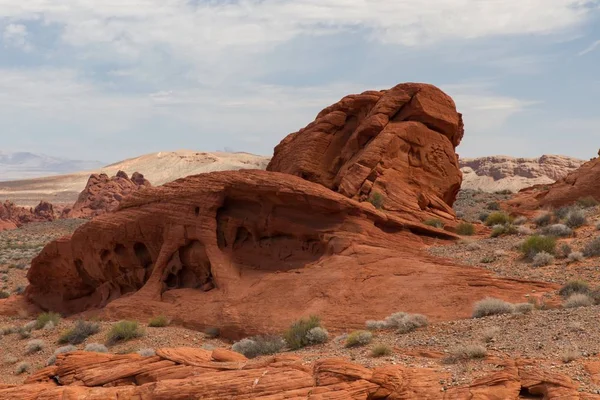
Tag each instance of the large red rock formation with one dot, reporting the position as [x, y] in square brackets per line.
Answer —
[186, 373]
[103, 194]
[12, 216]
[399, 143]
[251, 251]
[579, 184]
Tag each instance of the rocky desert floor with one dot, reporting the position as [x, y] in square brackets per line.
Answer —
[564, 340]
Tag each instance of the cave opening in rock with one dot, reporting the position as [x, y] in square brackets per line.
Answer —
[524, 394]
[189, 268]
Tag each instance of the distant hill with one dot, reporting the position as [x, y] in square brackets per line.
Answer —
[158, 168]
[495, 173]
[23, 165]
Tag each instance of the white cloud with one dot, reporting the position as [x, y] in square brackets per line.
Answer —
[590, 48]
[16, 35]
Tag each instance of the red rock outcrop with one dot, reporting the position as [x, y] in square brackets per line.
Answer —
[581, 183]
[12, 216]
[399, 143]
[103, 194]
[251, 251]
[187, 373]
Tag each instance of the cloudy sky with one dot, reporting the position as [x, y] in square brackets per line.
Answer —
[110, 79]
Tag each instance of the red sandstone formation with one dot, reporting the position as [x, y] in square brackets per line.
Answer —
[103, 194]
[399, 143]
[12, 216]
[579, 184]
[251, 251]
[186, 373]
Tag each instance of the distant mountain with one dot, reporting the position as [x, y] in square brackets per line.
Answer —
[24, 165]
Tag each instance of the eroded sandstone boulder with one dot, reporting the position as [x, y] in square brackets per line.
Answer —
[13, 216]
[251, 251]
[398, 144]
[103, 194]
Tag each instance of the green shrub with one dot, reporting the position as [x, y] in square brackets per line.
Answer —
[497, 218]
[504, 230]
[536, 244]
[588, 202]
[436, 223]
[258, 346]
[359, 338]
[504, 192]
[46, 317]
[592, 249]
[543, 219]
[159, 321]
[381, 350]
[123, 331]
[79, 333]
[576, 218]
[491, 306]
[469, 352]
[465, 229]
[572, 287]
[295, 336]
[377, 200]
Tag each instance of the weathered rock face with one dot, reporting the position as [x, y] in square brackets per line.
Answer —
[12, 216]
[103, 194]
[399, 143]
[251, 251]
[581, 183]
[185, 373]
[496, 173]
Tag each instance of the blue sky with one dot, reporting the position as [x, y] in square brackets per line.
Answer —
[107, 80]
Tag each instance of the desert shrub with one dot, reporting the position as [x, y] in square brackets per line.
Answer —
[10, 360]
[493, 205]
[497, 218]
[562, 212]
[159, 321]
[465, 229]
[542, 259]
[570, 355]
[520, 220]
[559, 230]
[33, 346]
[60, 350]
[359, 338]
[123, 331]
[536, 244]
[295, 336]
[491, 306]
[587, 202]
[502, 230]
[96, 348]
[592, 249]
[578, 300]
[147, 352]
[524, 308]
[381, 350]
[575, 256]
[436, 223]
[9, 330]
[504, 191]
[259, 345]
[463, 353]
[317, 335]
[572, 287]
[576, 218]
[563, 250]
[377, 200]
[483, 216]
[49, 326]
[488, 259]
[46, 317]
[490, 334]
[22, 367]
[24, 333]
[543, 219]
[81, 331]
[4, 294]
[523, 230]
[403, 322]
[373, 325]
[473, 246]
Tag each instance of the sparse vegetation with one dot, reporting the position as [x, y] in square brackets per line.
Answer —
[576, 218]
[377, 200]
[543, 219]
[159, 321]
[22, 367]
[578, 300]
[60, 350]
[96, 348]
[493, 205]
[542, 259]
[33, 346]
[436, 223]
[497, 218]
[536, 244]
[520, 220]
[381, 350]
[570, 355]
[403, 322]
[524, 308]
[80, 332]
[503, 230]
[564, 250]
[147, 352]
[464, 353]
[587, 202]
[123, 331]
[295, 336]
[4, 294]
[575, 256]
[491, 306]
[490, 334]
[473, 246]
[592, 248]
[359, 338]
[558, 230]
[465, 229]
[10, 359]
[46, 317]
[572, 287]
[259, 345]
[317, 335]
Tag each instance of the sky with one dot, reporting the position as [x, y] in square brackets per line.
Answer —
[112, 79]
